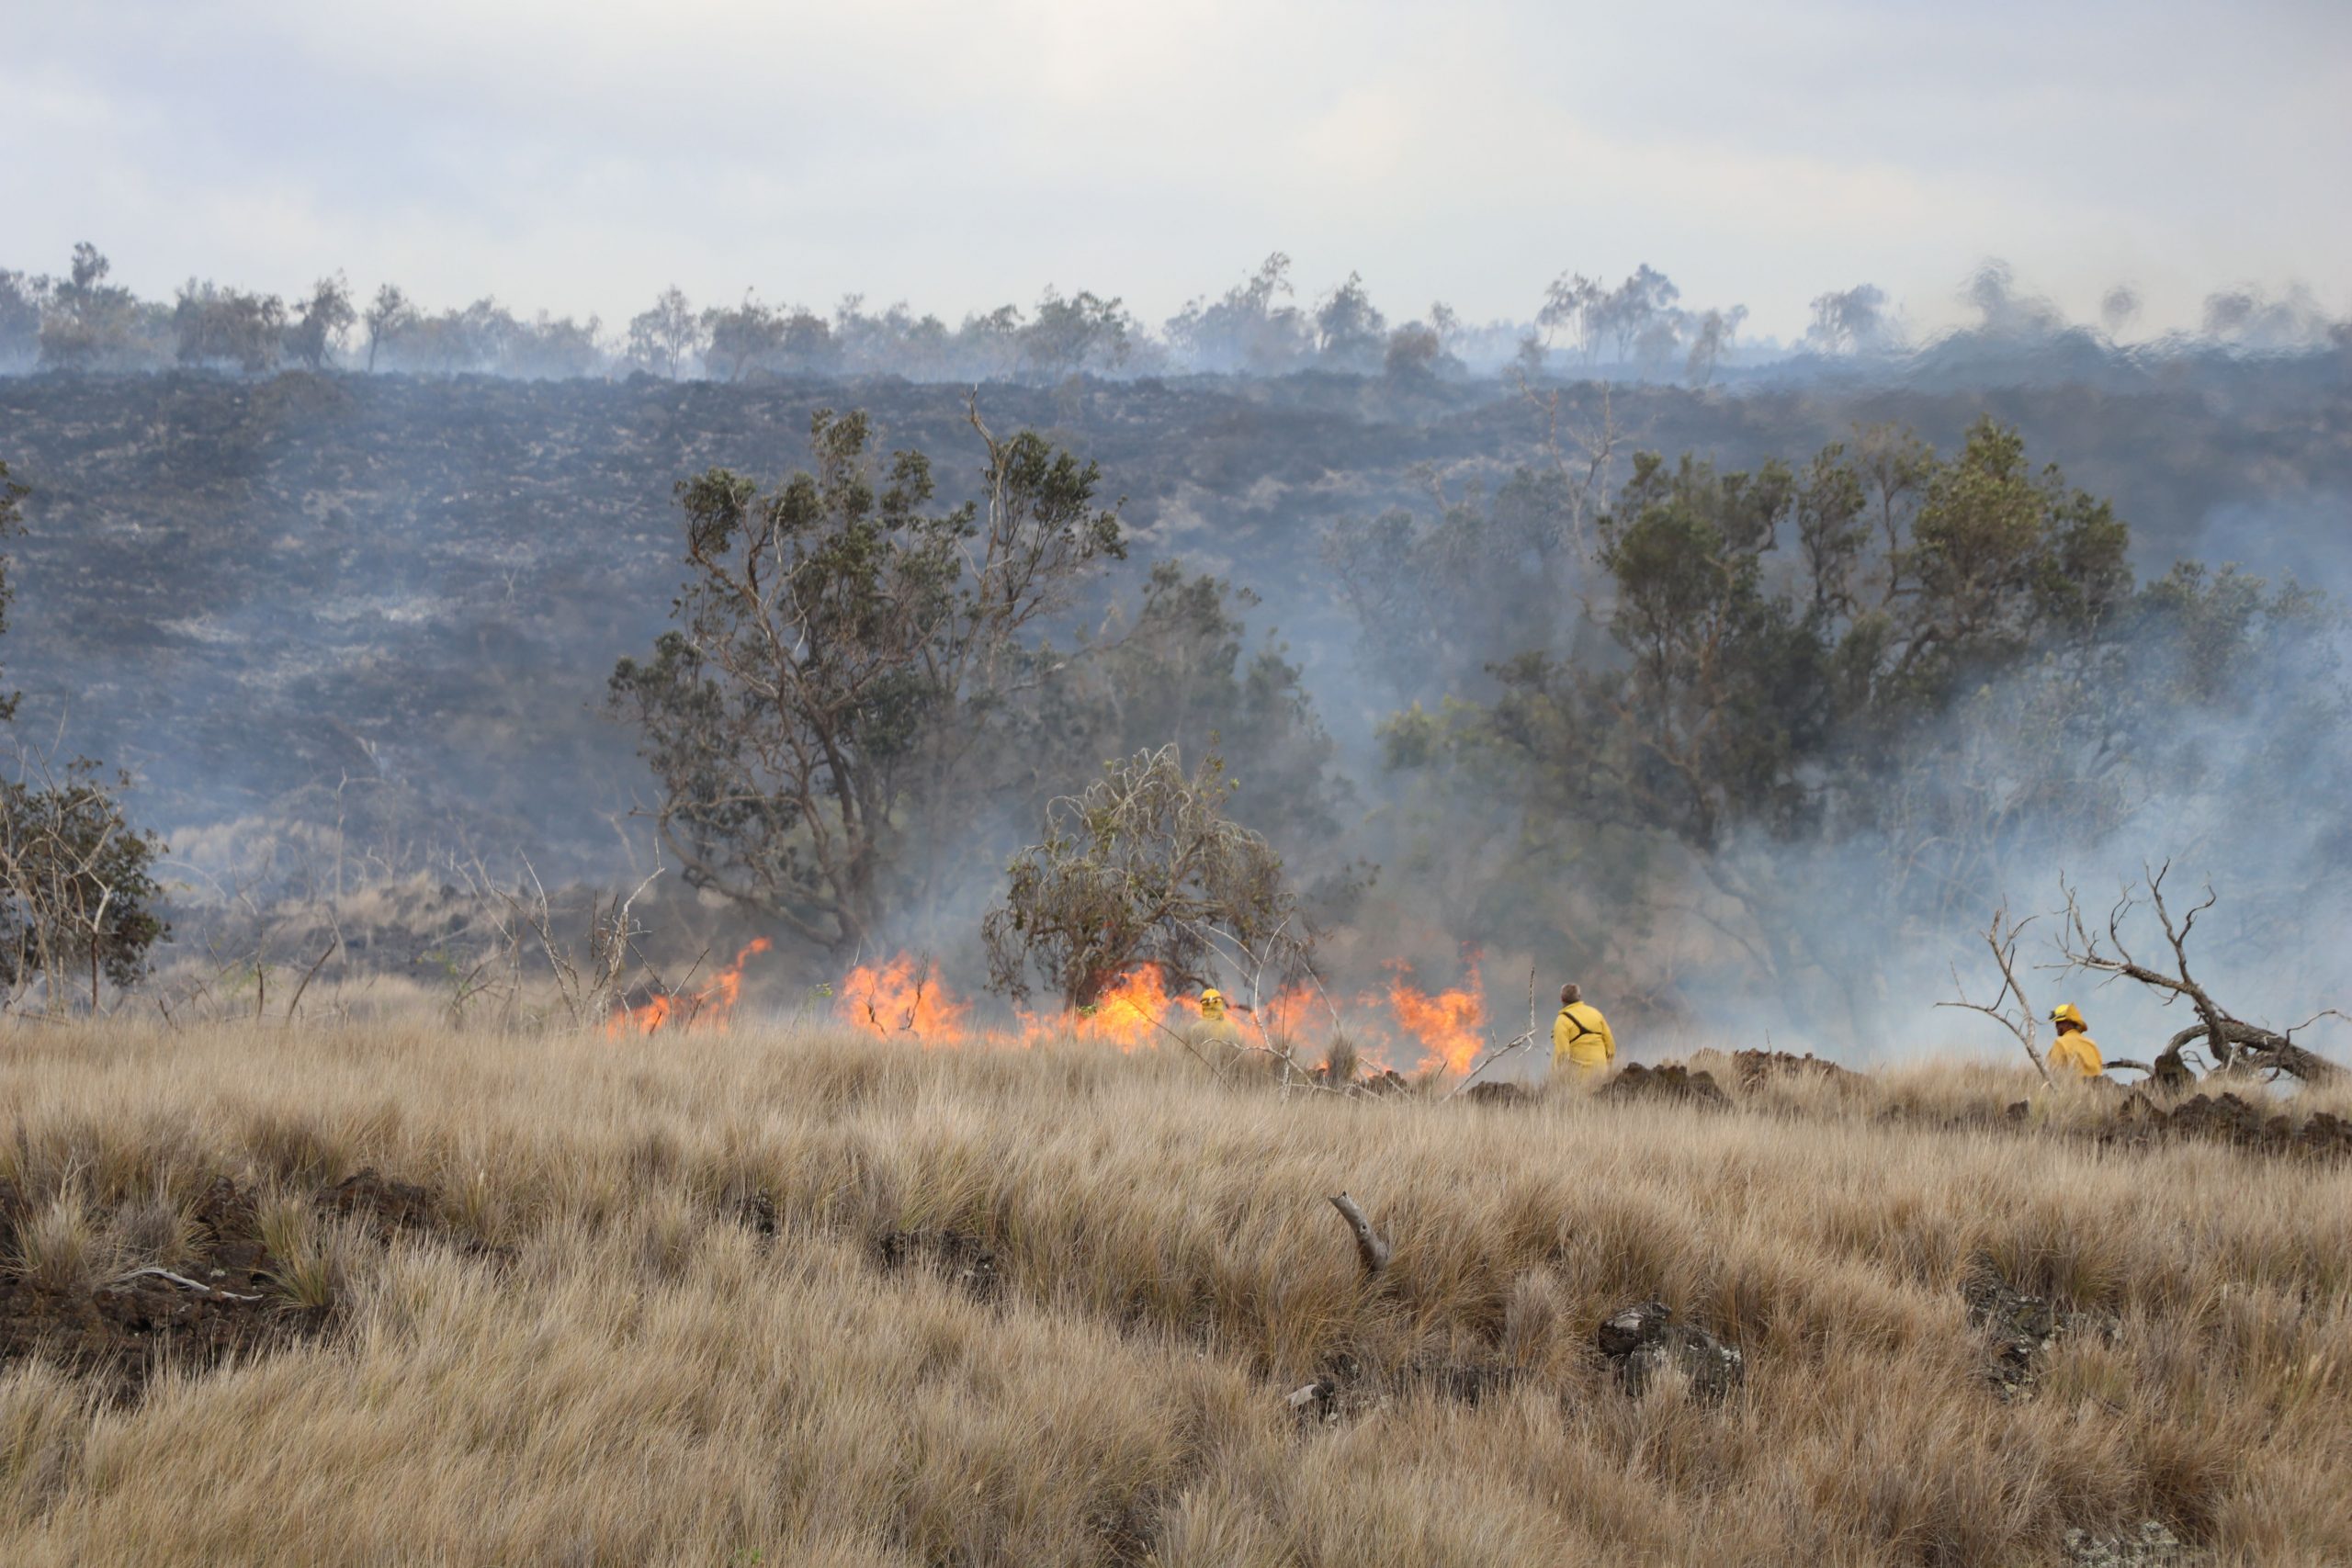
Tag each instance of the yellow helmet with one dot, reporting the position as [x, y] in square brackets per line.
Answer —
[1211, 993]
[2067, 1012]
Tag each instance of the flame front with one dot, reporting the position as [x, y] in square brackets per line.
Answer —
[1449, 1025]
[904, 996]
[706, 1009]
[1132, 1010]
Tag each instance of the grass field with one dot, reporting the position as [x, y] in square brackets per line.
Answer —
[775, 1298]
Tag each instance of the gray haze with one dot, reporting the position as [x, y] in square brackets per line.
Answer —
[960, 156]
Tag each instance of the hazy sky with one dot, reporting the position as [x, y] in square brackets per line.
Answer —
[580, 155]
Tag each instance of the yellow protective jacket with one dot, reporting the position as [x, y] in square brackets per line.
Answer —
[2077, 1054]
[1581, 1040]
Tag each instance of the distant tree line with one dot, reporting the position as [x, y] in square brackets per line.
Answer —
[1637, 327]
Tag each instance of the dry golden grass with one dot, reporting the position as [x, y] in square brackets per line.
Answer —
[595, 1360]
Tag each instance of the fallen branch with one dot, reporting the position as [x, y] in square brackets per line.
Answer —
[182, 1281]
[2226, 1037]
[1370, 1246]
[2277, 1051]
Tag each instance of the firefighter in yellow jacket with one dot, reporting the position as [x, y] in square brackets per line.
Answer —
[1214, 1018]
[1581, 1041]
[2075, 1054]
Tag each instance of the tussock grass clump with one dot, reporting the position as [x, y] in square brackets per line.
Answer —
[799, 1298]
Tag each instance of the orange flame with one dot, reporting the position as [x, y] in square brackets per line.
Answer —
[1131, 1012]
[1449, 1025]
[1292, 1015]
[706, 1009]
[900, 997]
[907, 996]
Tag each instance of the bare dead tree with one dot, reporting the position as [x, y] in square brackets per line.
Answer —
[2232, 1041]
[2001, 936]
[589, 977]
[1580, 454]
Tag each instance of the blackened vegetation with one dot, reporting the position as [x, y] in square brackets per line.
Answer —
[1645, 1341]
[227, 1292]
[384, 1206]
[78, 893]
[222, 1300]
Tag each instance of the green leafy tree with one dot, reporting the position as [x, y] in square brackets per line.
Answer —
[1143, 866]
[843, 666]
[1247, 329]
[1437, 601]
[742, 337]
[77, 887]
[1349, 330]
[1916, 673]
[21, 299]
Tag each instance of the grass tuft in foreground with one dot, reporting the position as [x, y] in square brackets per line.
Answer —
[775, 1298]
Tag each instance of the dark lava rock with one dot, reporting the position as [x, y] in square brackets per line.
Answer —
[955, 1255]
[1645, 1340]
[381, 1204]
[2150, 1546]
[2227, 1119]
[1753, 1068]
[2018, 1328]
[756, 1212]
[1670, 1080]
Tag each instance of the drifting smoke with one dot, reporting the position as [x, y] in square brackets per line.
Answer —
[352, 658]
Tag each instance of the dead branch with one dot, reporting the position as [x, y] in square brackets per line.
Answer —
[182, 1281]
[2001, 936]
[1517, 1044]
[1370, 1246]
[2277, 1051]
[2229, 1039]
[310, 975]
